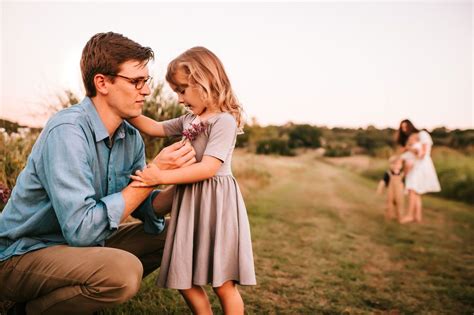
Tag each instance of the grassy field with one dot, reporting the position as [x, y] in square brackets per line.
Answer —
[321, 246]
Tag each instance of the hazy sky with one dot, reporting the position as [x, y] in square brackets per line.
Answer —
[325, 63]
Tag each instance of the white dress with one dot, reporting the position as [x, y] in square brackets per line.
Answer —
[422, 177]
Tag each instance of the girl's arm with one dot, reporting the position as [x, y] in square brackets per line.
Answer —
[414, 150]
[149, 126]
[152, 175]
[401, 149]
[380, 187]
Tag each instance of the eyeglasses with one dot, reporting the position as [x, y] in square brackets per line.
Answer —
[138, 82]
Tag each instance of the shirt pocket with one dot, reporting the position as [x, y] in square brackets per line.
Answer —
[122, 179]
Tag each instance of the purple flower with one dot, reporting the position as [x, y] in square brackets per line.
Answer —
[4, 193]
[194, 130]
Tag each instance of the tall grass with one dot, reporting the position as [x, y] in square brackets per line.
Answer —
[456, 174]
[13, 156]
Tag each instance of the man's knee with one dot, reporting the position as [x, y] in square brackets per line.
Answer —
[120, 278]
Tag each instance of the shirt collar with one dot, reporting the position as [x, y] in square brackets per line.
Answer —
[98, 126]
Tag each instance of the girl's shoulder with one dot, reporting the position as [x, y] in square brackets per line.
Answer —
[223, 118]
[188, 117]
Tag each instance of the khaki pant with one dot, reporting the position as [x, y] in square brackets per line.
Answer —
[80, 280]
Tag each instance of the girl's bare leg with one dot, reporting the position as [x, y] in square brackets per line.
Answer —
[419, 209]
[410, 216]
[197, 300]
[229, 296]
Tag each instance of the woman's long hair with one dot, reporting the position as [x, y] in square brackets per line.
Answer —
[402, 137]
[205, 71]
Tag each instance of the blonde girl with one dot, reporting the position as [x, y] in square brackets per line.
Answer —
[208, 237]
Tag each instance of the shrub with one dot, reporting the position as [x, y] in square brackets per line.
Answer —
[274, 146]
[306, 136]
[337, 151]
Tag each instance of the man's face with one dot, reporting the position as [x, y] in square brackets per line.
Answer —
[124, 98]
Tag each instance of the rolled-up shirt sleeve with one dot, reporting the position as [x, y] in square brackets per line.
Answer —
[152, 223]
[84, 218]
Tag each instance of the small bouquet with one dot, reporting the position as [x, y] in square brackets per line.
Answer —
[4, 193]
[193, 131]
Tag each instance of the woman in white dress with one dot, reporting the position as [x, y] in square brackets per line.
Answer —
[420, 172]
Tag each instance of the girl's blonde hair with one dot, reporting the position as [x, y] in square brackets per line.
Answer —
[206, 71]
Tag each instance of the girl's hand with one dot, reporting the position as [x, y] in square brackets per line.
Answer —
[150, 176]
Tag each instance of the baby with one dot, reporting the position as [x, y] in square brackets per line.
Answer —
[393, 181]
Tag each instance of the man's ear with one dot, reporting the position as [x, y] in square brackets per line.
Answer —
[101, 84]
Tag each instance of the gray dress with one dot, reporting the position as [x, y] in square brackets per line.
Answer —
[208, 238]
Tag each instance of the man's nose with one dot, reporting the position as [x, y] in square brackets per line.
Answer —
[145, 90]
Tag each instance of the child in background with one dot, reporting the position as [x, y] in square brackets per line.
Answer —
[208, 237]
[413, 153]
[393, 182]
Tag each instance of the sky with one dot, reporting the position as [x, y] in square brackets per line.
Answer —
[326, 63]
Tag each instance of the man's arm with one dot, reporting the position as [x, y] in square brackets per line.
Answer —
[68, 179]
[177, 155]
[69, 182]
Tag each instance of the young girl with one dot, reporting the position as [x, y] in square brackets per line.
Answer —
[393, 182]
[208, 238]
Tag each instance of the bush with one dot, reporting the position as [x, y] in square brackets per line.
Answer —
[337, 151]
[383, 152]
[456, 174]
[306, 136]
[373, 139]
[274, 146]
[15, 150]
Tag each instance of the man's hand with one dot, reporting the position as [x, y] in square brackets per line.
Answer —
[179, 154]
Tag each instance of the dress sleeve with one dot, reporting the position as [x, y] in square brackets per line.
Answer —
[175, 126]
[222, 137]
[425, 138]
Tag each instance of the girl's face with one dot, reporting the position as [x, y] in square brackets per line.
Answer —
[397, 165]
[413, 138]
[188, 95]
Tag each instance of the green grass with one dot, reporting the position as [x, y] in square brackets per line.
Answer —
[321, 246]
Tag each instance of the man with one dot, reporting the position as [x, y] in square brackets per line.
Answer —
[62, 247]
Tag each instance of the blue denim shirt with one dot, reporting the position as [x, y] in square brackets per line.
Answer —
[70, 190]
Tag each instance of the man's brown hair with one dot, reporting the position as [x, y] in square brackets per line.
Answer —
[105, 52]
